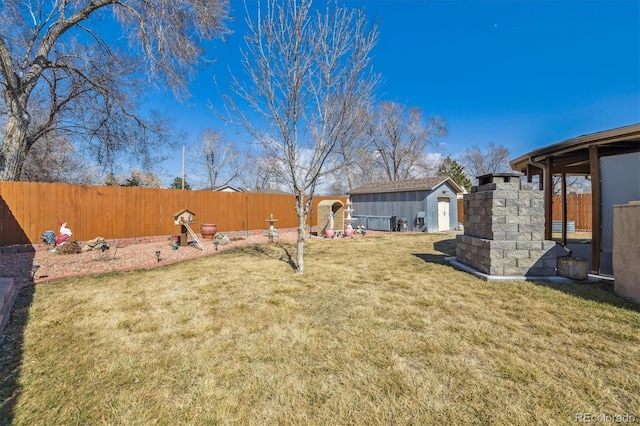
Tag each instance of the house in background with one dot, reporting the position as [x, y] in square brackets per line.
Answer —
[228, 188]
[224, 188]
[269, 188]
[428, 205]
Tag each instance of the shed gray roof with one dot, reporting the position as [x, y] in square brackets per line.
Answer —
[425, 184]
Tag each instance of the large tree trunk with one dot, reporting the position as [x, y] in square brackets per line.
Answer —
[13, 147]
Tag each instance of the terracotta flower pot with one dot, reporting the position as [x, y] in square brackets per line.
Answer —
[208, 230]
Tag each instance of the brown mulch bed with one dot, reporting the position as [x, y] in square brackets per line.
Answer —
[55, 266]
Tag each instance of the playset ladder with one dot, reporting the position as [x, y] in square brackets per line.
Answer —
[195, 237]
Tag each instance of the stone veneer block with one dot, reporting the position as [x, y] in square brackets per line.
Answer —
[504, 229]
[525, 186]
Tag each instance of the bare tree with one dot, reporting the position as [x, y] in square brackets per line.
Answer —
[54, 59]
[140, 178]
[350, 151]
[362, 168]
[220, 158]
[399, 138]
[574, 184]
[56, 160]
[478, 161]
[309, 77]
[258, 172]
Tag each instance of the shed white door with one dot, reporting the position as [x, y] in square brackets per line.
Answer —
[443, 214]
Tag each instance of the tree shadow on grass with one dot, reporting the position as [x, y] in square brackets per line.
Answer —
[17, 264]
[11, 350]
[273, 250]
[289, 258]
[601, 292]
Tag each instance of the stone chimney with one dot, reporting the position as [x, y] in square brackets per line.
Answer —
[504, 229]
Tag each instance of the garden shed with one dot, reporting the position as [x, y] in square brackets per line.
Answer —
[428, 205]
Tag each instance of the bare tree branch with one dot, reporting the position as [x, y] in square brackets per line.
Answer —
[493, 159]
[54, 51]
[399, 138]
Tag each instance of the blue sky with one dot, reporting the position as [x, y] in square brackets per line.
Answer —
[523, 74]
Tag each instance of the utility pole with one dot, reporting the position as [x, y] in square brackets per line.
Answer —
[183, 167]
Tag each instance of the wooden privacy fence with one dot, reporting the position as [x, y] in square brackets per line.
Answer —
[27, 209]
[578, 210]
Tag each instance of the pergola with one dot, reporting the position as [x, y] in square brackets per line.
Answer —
[578, 156]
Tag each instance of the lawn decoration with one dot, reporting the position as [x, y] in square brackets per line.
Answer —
[208, 230]
[221, 239]
[59, 239]
[273, 232]
[330, 217]
[97, 243]
[64, 234]
[49, 237]
[329, 232]
[183, 218]
[102, 249]
[348, 230]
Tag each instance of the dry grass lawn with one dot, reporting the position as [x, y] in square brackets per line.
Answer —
[378, 331]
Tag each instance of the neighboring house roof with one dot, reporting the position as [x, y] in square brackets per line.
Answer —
[224, 188]
[227, 188]
[271, 191]
[424, 184]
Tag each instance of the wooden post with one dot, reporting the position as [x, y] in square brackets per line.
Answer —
[564, 208]
[548, 199]
[596, 214]
[183, 235]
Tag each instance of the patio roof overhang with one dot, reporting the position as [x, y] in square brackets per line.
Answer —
[572, 156]
[577, 156]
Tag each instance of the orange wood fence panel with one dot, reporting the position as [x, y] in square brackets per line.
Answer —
[578, 210]
[27, 209]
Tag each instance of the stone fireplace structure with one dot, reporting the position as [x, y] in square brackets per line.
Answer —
[504, 229]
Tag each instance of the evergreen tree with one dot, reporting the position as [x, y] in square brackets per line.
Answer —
[177, 184]
[455, 171]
